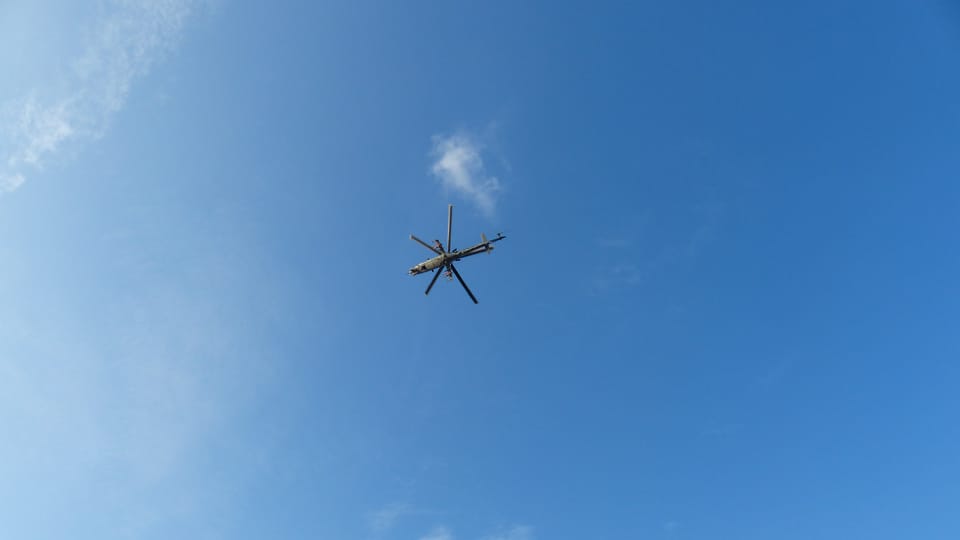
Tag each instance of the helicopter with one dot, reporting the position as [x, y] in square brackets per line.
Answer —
[446, 257]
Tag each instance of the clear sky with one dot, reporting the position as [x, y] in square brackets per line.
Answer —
[727, 307]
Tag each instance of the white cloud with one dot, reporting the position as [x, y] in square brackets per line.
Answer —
[438, 533]
[126, 39]
[517, 532]
[40, 130]
[11, 182]
[460, 168]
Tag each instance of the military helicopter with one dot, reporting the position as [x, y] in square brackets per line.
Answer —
[446, 258]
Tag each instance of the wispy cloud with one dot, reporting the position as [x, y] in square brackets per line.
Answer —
[722, 430]
[438, 533]
[126, 39]
[641, 253]
[10, 182]
[459, 167]
[385, 518]
[617, 276]
[516, 532]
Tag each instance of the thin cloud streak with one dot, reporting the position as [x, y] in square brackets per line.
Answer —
[459, 167]
[438, 533]
[384, 519]
[127, 39]
[517, 532]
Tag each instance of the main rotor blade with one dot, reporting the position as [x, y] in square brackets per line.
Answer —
[426, 245]
[449, 224]
[472, 297]
[434, 280]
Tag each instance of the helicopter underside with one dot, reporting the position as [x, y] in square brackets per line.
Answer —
[446, 257]
[428, 265]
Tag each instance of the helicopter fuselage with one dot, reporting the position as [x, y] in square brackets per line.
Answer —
[442, 260]
[453, 256]
[428, 265]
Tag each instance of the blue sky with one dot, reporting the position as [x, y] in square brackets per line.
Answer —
[727, 306]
